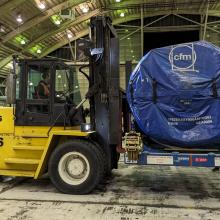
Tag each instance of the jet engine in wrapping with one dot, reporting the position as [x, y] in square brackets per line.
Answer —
[174, 95]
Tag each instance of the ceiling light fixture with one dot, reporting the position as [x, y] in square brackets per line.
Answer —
[19, 19]
[23, 42]
[56, 19]
[84, 8]
[41, 5]
[69, 34]
[117, 0]
[2, 29]
[57, 22]
[39, 51]
[122, 14]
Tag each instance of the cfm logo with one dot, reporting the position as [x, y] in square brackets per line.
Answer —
[183, 57]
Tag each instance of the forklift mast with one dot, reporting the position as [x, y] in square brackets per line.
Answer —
[105, 110]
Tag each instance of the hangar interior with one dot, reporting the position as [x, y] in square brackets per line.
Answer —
[98, 142]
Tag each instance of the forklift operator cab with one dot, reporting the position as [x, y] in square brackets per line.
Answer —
[42, 90]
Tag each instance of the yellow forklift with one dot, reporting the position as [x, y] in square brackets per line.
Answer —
[40, 135]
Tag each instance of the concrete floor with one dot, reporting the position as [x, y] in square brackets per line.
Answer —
[133, 193]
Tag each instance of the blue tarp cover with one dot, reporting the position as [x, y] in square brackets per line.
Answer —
[174, 95]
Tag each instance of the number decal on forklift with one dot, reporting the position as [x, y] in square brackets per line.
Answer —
[0, 118]
[1, 142]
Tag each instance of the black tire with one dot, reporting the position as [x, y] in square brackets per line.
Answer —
[103, 158]
[92, 157]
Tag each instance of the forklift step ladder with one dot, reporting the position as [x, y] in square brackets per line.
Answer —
[20, 166]
[28, 147]
[21, 161]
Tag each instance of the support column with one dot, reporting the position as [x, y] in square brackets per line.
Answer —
[75, 49]
[201, 28]
[142, 31]
[128, 71]
[206, 20]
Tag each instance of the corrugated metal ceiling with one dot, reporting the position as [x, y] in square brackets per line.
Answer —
[40, 32]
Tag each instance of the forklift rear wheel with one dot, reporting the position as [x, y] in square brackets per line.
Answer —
[76, 167]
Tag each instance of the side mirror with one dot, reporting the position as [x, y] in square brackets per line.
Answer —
[11, 88]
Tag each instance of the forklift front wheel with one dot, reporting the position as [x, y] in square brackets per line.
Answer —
[73, 168]
[76, 167]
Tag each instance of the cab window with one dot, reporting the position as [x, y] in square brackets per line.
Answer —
[62, 84]
[38, 89]
[38, 82]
